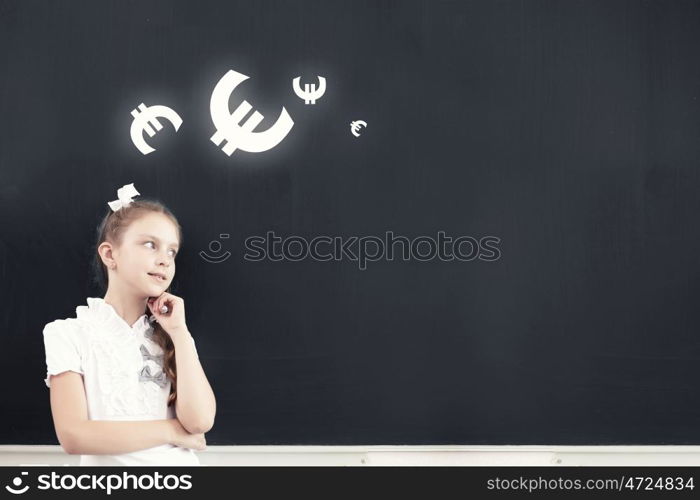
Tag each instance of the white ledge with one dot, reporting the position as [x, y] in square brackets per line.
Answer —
[36, 455]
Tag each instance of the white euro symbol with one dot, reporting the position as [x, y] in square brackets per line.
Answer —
[310, 93]
[355, 127]
[242, 136]
[144, 117]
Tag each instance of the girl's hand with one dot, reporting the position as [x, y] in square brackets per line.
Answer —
[172, 321]
[180, 437]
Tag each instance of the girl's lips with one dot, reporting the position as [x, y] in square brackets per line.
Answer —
[156, 277]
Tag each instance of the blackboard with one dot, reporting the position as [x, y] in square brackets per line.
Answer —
[566, 133]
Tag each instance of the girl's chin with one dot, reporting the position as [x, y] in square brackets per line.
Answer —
[153, 290]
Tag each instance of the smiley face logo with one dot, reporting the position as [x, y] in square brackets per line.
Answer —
[215, 247]
[17, 482]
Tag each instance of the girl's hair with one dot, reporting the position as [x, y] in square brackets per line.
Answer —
[112, 229]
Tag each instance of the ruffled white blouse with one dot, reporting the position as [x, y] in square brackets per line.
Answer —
[122, 369]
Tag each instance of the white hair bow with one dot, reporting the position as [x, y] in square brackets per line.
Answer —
[124, 194]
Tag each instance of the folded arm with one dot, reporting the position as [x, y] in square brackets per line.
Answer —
[80, 436]
[195, 404]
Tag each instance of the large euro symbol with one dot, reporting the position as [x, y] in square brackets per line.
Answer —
[228, 125]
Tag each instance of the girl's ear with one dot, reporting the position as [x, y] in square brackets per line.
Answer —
[106, 255]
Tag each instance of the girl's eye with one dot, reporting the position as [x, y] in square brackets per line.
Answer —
[174, 252]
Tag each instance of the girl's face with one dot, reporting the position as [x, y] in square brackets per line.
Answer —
[149, 246]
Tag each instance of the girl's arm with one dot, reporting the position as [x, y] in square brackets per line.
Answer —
[80, 436]
[112, 437]
[195, 404]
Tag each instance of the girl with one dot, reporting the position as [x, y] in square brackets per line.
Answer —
[126, 385]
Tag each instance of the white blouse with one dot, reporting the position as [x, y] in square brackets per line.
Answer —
[122, 373]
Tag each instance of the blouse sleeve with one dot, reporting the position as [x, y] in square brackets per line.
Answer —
[62, 349]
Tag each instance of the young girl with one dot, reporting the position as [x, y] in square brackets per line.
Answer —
[126, 384]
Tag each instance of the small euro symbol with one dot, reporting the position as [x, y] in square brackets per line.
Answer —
[145, 118]
[242, 136]
[355, 127]
[310, 92]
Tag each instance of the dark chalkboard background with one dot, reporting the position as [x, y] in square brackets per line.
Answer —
[569, 130]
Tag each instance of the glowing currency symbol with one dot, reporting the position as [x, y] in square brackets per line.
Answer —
[145, 118]
[242, 136]
[310, 93]
[355, 127]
